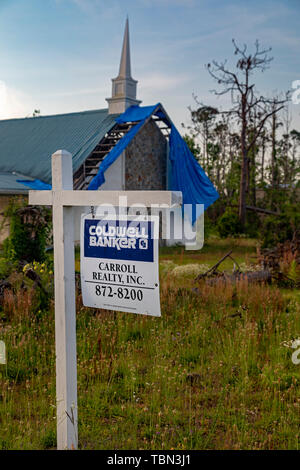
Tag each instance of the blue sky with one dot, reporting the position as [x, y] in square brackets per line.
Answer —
[59, 55]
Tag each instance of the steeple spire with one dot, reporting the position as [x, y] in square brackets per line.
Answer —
[123, 86]
[125, 66]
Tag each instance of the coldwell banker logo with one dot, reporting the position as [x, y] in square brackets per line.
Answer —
[118, 239]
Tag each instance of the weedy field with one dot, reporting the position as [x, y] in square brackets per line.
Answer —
[212, 373]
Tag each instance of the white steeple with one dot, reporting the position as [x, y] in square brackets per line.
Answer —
[125, 65]
[123, 86]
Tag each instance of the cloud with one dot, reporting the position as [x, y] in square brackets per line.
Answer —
[81, 92]
[13, 103]
[161, 82]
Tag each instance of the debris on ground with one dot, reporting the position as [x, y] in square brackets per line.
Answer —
[280, 264]
[213, 275]
[283, 261]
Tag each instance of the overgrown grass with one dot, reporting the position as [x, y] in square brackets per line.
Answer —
[211, 373]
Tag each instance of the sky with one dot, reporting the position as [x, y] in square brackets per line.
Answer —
[59, 55]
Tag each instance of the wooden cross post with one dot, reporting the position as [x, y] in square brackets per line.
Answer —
[62, 198]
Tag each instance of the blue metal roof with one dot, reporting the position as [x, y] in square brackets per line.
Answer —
[26, 145]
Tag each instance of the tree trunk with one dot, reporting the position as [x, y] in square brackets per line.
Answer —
[273, 160]
[262, 160]
[244, 166]
[243, 184]
[252, 175]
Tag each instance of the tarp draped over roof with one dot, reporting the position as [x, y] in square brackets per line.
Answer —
[132, 114]
[136, 113]
[27, 144]
[9, 183]
[187, 175]
[35, 184]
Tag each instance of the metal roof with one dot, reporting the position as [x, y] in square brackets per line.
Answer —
[9, 184]
[26, 145]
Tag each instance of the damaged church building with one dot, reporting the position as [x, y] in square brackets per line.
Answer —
[124, 146]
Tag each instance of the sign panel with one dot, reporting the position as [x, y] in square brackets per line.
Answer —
[119, 263]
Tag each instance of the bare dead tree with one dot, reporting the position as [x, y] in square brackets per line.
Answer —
[295, 137]
[274, 166]
[287, 119]
[246, 101]
[264, 138]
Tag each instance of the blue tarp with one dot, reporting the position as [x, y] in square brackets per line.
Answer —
[187, 175]
[136, 113]
[35, 184]
[132, 114]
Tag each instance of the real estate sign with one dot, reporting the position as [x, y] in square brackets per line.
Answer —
[119, 263]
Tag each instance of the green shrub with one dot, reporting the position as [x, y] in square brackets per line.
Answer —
[209, 227]
[5, 268]
[278, 229]
[229, 224]
[252, 224]
[29, 230]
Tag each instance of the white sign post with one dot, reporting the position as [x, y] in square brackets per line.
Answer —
[62, 198]
[2, 353]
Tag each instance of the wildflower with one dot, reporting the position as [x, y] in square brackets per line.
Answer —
[189, 269]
